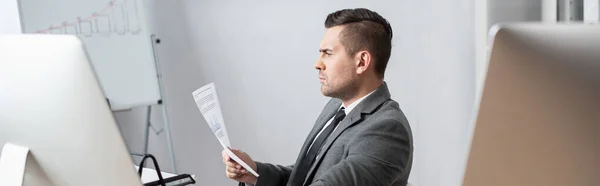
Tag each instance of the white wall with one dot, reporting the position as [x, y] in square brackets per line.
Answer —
[9, 17]
[260, 54]
[591, 11]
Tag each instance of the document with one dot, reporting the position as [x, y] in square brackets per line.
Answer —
[208, 103]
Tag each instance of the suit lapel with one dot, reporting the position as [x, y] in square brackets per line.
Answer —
[367, 106]
[321, 121]
[347, 122]
[328, 112]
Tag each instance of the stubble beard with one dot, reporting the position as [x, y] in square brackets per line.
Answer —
[345, 89]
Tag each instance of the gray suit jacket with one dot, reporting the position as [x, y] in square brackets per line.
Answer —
[371, 146]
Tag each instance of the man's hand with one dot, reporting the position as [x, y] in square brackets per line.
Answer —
[235, 171]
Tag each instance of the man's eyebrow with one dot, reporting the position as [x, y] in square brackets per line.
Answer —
[325, 50]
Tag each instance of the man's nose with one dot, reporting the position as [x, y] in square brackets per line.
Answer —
[319, 65]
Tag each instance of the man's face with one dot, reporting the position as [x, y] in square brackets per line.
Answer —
[337, 69]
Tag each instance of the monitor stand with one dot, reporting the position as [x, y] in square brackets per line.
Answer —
[18, 166]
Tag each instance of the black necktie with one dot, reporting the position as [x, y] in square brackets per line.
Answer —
[305, 164]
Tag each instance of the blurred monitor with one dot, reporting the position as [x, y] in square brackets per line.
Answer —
[52, 103]
[538, 118]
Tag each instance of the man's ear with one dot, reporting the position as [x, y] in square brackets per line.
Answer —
[363, 61]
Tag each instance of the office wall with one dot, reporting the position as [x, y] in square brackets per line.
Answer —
[260, 55]
[9, 17]
[514, 10]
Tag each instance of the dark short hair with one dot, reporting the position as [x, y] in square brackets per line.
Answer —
[364, 30]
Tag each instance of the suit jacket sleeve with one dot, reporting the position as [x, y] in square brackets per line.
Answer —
[272, 175]
[377, 156]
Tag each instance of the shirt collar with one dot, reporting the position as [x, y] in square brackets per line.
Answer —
[355, 103]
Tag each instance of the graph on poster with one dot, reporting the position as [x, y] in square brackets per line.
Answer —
[117, 17]
[115, 36]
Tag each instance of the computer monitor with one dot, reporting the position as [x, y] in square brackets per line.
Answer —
[52, 103]
[538, 118]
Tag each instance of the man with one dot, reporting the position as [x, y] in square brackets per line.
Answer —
[361, 138]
